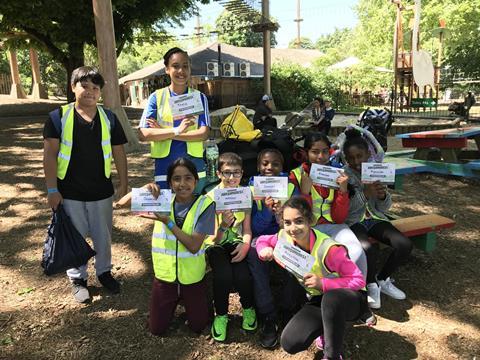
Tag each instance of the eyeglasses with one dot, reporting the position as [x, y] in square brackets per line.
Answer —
[227, 174]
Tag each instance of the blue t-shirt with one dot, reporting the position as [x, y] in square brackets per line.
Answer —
[264, 222]
[178, 148]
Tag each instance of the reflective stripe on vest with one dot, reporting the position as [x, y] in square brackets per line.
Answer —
[161, 149]
[66, 140]
[372, 214]
[171, 259]
[320, 249]
[321, 207]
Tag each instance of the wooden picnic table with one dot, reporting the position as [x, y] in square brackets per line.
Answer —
[449, 141]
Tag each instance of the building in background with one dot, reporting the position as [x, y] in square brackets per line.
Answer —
[227, 74]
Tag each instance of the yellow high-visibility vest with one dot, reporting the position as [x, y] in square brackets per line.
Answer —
[320, 249]
[321, 207]
[172, 261]
[66, 140]
[161, 149]
[236, 227]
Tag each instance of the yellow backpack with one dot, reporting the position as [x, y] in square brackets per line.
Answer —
[237, 126]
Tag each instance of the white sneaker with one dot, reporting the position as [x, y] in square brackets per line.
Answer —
[387, 287]
[373, 296]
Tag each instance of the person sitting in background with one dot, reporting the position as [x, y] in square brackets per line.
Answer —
[468, 103]
[318, 111]
[329, 114]
[263, 114]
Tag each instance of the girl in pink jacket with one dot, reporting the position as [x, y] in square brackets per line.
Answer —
[334, 285]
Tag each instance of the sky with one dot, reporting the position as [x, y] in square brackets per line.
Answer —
[320, 17]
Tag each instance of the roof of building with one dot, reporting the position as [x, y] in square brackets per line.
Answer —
[201, 55]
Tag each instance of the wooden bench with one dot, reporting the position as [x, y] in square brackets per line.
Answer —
[422, 229]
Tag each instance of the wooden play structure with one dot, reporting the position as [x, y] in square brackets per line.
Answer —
[417, 79]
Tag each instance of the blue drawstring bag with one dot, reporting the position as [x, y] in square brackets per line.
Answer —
[64, 247]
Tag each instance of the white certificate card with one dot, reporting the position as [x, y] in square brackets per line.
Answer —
[274, 186]
[294, 259]
[382, 172]
[325, 175]
[239, 198]
[143, 201]
[186, 105]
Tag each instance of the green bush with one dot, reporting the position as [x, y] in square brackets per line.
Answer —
[292, 86]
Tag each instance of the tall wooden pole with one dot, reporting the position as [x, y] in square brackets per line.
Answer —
[16, 90]
[38, 90]
[266, 48]
[298, 20]
[395, 54]
[102, 11]
[198, 33]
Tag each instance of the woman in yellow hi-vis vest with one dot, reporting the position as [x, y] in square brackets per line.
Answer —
[171, 138]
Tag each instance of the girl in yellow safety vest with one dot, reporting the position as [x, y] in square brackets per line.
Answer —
[178, 250]
[334, 284]
[180, 137]
[330, 206]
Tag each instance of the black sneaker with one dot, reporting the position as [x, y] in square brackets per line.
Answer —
[268, 335]
[80, 291]
[368, 318]
[109, 283]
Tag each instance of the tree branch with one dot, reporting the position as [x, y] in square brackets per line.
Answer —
[57, 54]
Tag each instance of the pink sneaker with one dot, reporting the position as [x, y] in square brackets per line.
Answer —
[320, 342]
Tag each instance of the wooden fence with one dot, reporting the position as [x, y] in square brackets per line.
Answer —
[5, 83]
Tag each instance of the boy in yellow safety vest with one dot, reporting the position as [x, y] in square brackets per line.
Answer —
[80, 140]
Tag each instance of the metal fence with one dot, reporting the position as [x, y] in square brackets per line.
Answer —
[418, 107]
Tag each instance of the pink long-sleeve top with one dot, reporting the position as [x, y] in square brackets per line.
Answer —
[336, 260]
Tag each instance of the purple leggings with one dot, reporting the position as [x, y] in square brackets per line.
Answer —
[164, 300]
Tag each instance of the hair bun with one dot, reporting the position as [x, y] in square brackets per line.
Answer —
[352, 133]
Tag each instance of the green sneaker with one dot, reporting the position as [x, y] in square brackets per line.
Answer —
[219, 327]
[249, 322]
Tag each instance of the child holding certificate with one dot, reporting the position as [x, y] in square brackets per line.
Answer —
[227, 251]
[264, 222]
[367, 218]
[178, 251]
[334, 283]
[330, 206]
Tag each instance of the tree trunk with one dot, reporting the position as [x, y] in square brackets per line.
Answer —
[75, 60]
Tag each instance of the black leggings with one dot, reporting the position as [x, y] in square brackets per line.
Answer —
[227, 275]
[386, 233]
[325, 314]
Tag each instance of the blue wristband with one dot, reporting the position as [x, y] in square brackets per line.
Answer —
[170, 225]
[52, 190]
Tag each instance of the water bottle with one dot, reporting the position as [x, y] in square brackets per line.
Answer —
[211, 150]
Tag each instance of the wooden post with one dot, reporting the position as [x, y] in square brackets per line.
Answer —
[396, 35]
[266, 49]
[198, 33]
[102, 11]
[38, 90]
[298, 20]
[16, 90]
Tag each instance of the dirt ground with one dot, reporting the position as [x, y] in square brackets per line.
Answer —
[40, 320]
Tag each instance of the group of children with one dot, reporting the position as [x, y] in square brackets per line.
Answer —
[333, 225]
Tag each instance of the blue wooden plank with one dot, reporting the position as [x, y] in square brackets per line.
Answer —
[405, 166]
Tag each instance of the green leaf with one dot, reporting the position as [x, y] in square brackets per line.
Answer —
[25, 291]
